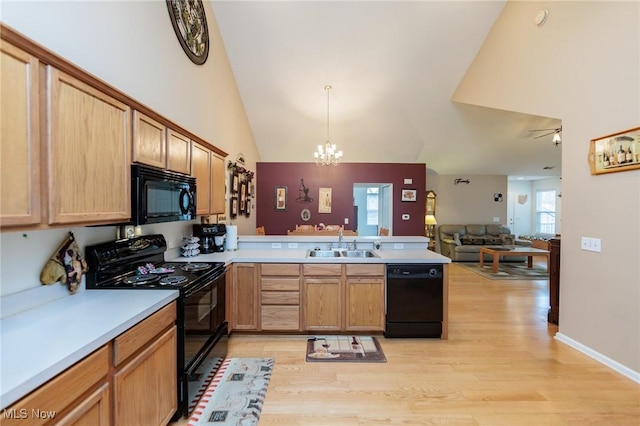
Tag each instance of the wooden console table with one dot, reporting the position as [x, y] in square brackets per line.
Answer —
[496, 252]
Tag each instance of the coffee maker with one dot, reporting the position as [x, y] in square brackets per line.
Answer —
[211, 237]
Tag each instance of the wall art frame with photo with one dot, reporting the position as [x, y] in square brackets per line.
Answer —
[409, 195]
[280, 198]
[234, 207]
[324, 200]
[617, 152]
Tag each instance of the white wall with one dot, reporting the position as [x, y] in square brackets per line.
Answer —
[583, 66]
[130, 45]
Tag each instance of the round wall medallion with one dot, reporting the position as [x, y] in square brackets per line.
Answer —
[190, 24]
[305, 214]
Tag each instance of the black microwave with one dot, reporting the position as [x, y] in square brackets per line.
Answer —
[161, 196]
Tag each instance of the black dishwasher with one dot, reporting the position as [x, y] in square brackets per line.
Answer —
[414, 300]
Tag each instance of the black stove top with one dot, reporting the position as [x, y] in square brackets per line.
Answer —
[138, 263]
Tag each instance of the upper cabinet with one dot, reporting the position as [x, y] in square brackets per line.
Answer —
[20, 201]
[178, 152]
[67, 141]
[88, 145]
[149, 141]
[156, 145]
[208, 169]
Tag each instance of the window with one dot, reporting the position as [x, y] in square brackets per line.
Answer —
[373, 202]
[546, 211]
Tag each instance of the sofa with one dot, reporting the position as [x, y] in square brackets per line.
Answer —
[461, 243]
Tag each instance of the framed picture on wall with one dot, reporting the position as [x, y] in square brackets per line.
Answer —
[324, 200]
[243, 197]
[616, 152]
[247, 211]
[409, 195]
[281, 198]
[234, 206]
[234, 183]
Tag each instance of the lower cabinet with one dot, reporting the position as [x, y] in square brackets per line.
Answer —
[78, 396]
[140, 389]
[364, 297]
[244, 297]
[313, 297]
[145, 380]
[280, 296]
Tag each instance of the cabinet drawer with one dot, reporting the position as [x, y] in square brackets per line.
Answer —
[280, 298]
[309, 269]
[61, 391]
[282, 284]
[280, 269]
[281, 318]
[140, 334]
[365, 270]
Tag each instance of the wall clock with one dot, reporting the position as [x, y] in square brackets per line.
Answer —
[190, 24]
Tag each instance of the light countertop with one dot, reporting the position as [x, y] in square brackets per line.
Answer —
[40, 343]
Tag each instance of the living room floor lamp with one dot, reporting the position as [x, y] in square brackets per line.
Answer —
[430, 225]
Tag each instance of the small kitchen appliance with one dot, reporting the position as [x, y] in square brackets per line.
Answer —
[211, 236]
[138, 264]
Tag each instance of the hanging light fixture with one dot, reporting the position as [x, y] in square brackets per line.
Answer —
[557, 138]
[327, 154]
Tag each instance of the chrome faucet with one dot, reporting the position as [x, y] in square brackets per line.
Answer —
[355, 244]
[340, 238]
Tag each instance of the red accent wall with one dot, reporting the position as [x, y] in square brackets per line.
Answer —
[341, 179]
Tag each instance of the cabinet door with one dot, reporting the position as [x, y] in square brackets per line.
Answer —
[217, 184]
[178, 152]
[94, 410]
[19, 138]
[145, 389]
[89, 141]
[322, 303]
[149, 141]
[201, 170]
[245, 303]
[365, 304]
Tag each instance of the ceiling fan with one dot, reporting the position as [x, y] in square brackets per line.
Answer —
[557, 138]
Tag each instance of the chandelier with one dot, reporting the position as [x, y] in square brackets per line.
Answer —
[327, 154]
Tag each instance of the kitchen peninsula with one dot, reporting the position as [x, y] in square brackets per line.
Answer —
[311, 284]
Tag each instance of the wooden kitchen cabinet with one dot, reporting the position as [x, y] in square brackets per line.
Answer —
[280, 296]
[208, 169]
[78, 396]
[20, 195]
[245, 297]
[149, 141]
[178, 152]
[88, 145]
[322, 297]
[145, 362]
[364, 297]
[217, 184]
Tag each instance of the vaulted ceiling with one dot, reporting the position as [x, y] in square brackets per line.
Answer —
[393, 67]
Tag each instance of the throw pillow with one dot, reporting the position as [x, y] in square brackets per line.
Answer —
[508, 239]
[456, 238]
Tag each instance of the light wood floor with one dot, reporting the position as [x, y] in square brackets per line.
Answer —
[500, 366]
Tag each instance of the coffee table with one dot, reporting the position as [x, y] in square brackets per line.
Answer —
[496, 252]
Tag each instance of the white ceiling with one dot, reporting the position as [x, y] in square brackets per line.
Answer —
[393, 67]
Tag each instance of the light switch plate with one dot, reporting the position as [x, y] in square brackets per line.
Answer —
[408, 181]
[591, 244]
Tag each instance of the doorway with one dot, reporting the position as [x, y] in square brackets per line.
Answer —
[374, 207]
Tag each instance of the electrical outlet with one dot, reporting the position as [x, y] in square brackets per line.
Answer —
[276, 245]
[398, 246]
[292, 245]
[591, 244]
[496, 219]
[346, 220]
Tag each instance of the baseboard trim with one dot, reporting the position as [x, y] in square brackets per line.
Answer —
[614, 365]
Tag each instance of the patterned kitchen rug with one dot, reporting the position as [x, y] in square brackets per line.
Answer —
[508, 271]
[236, 393]
[199, 381]
[344, 349]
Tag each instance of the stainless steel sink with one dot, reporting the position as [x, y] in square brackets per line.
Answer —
[359, 253]
[323, 253]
